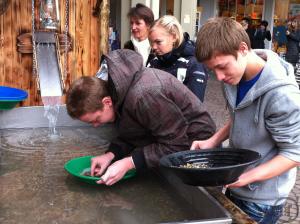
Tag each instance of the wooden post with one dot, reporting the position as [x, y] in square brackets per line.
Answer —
[104, 24]
[84, 29]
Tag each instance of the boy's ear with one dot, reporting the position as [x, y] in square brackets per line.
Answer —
[107, 101]
[243, 48]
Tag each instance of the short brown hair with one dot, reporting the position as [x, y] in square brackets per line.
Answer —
[85, 95]
[141, 11]
[220, 36]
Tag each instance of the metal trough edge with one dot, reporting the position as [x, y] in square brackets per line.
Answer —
[201, 200]
[33, 117]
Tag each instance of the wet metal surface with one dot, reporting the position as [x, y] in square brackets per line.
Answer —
[35, 188]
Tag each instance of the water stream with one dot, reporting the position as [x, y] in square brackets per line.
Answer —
[51, 110]
[50, 83]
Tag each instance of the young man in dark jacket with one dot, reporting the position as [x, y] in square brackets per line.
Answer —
[155, 114]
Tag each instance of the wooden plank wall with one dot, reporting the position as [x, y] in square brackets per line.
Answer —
[83, 60]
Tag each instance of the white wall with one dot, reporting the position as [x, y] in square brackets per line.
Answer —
[209, 9]
[125, 25]
[268, 14]
[188, 16]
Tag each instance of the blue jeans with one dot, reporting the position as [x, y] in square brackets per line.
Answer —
[262, 214]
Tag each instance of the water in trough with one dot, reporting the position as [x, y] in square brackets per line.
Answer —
[35, 188]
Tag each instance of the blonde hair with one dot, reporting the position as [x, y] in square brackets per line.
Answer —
[172, 26]
[220, 36]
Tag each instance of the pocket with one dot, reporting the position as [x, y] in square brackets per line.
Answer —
[274, 214]
[252, 186]
[266, 190]
[253, 210]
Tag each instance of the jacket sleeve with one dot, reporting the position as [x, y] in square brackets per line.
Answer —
[294, 36]
[129, 45]
[268, 35]
[283, 122]
[120, 148]
[168, 126]
[196, 78]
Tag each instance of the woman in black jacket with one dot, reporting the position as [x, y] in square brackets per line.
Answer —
[259, 36]
[174, 53]
[292, 45]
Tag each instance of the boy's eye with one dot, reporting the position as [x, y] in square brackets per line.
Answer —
[222, 66]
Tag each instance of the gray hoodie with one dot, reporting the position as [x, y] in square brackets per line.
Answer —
[267, 120]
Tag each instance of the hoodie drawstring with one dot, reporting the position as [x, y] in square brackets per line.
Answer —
[257, 111]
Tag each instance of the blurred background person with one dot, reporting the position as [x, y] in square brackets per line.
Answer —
[174, 53]
[292, 45]
[113, 39]
[279, 33]
[247, 25]
[141, 18]
[260, 34]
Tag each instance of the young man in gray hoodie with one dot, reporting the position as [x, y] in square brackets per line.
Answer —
[264, 102]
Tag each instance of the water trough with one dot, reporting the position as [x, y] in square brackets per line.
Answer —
[35, 188]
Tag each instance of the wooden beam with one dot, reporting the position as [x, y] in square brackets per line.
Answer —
[104, 24]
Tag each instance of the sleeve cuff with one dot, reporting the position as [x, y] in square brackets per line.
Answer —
[139, 160]
[115, 149]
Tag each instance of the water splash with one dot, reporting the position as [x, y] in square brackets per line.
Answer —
[51, 110]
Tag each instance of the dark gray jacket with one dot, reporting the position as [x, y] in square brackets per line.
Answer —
[258, 39]
[157, 114]
[292, 47]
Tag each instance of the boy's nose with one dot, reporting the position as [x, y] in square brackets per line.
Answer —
[220, 75]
